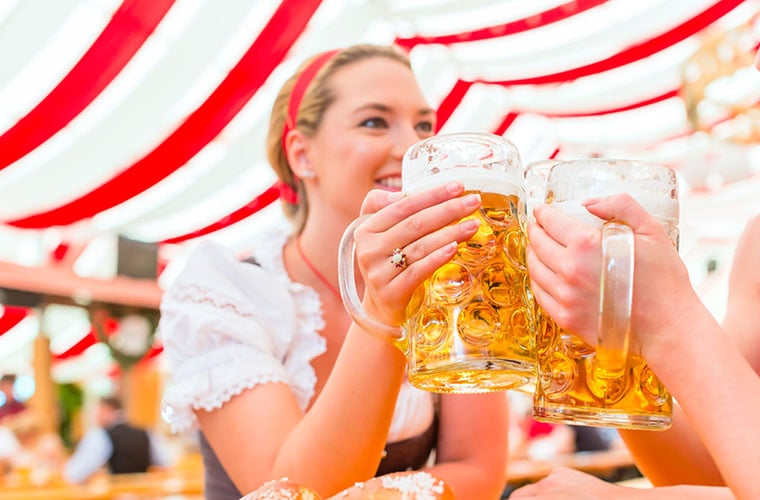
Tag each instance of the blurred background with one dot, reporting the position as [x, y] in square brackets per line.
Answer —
[130, 130]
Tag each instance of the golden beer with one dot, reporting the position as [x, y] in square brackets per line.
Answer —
[571, 387]
[468, 325]
[610, 384]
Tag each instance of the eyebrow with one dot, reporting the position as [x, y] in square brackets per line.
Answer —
[387, 109]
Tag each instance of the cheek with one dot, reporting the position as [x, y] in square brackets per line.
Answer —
[372, 153]
[364, 150]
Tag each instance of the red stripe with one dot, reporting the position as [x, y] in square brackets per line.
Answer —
[451, 101]
[203, 125]
[261, 201]
[128, 29]
[639, 104]
[78, 348]
[506, 123]
[154, 351]
[544, 18]
[12, 316]
[638, 51]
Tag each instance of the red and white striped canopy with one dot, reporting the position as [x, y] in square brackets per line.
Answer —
[147, 118]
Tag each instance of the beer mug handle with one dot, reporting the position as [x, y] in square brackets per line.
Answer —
[350, 296]
[615, 300]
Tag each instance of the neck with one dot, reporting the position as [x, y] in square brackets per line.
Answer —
[319, 241]
[318, 261]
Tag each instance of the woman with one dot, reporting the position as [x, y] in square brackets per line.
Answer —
[263, 355]
[715, 385]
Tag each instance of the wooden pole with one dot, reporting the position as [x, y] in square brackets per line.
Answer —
[44, 401]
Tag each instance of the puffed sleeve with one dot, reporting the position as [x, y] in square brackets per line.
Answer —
[227, 326]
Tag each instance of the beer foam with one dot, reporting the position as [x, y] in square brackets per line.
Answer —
[473, 179]
[649, 184]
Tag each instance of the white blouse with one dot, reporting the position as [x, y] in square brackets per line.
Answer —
[229, 325]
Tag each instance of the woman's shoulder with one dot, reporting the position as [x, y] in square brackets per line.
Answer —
[238, 324]
[218, 276]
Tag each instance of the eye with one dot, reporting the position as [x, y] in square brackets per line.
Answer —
[425, 127]
[375, 122]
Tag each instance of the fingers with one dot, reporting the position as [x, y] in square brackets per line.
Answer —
[416, 209]
[527, 491]
[419, 224]
[561, 226]
[377, 199]
[425, 226]
[622, 207]
[542, 279]
[546, 251]
[419, 249]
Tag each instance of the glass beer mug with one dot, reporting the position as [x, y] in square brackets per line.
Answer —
[467, 327]
[610, 384]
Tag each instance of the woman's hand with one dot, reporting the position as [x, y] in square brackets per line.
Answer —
[423, 226]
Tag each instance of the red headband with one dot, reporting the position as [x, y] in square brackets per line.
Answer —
[299, 89]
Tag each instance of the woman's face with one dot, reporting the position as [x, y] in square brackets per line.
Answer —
[378, 112]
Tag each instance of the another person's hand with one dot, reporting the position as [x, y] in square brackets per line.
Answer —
[422, 225]
[569, 484]
[564, 259]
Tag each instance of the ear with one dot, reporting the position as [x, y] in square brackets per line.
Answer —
[297, 151]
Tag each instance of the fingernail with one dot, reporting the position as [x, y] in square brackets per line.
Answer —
[471, 200]
[395, 195]
[454, 187]
[470, 224]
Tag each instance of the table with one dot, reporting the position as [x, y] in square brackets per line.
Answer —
[150, 485]
[594, 462]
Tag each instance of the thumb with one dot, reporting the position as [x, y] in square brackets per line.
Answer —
[621, 207]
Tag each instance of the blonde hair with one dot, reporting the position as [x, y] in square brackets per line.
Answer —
[318, 97]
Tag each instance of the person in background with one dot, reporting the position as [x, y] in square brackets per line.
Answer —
[264, 358]
[38, 449]
[10, 405]
[115, 444]
[9, 447]
[531, 439]
[713, 378]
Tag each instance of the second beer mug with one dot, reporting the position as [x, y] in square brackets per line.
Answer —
[610, 384]
[467, 327]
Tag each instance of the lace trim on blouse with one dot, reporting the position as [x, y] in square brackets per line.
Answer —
[212, 370]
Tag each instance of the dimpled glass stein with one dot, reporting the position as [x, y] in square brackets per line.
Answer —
[467, 328]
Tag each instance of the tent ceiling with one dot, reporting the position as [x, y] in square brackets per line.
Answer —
[147, 117]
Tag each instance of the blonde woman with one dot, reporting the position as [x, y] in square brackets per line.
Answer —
[264, 358]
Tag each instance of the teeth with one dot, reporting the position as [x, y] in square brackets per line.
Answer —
[391, 182]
